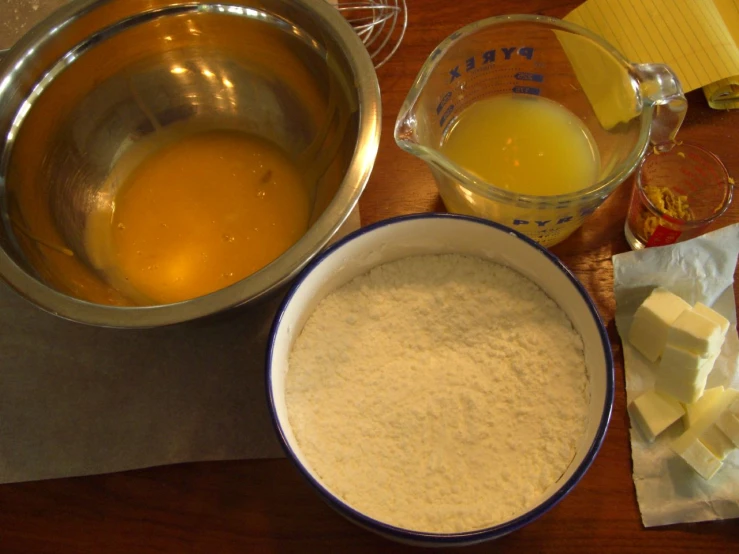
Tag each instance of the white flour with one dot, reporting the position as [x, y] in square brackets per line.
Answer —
[438, 393]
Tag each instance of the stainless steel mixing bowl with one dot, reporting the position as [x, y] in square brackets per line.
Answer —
[97, 77]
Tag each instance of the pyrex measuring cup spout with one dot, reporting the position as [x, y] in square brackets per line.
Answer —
[661, 90]
[405, 129]
[412, 135]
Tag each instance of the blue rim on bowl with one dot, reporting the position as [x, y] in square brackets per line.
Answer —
[467, 537]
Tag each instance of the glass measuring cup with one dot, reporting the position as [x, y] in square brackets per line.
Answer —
[622, 106]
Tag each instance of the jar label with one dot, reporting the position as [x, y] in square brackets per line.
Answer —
[663, 235]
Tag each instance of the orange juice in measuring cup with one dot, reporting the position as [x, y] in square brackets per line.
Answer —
[533, 122]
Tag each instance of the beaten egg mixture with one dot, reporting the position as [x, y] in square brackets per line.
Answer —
[196, 215]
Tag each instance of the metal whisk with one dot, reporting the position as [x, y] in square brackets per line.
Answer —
[381, 25]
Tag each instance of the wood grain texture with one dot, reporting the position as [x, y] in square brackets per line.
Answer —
[264, 506]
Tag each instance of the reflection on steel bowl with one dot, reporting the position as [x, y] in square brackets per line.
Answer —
[97, 87]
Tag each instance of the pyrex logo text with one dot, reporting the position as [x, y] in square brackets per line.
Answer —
[582, 213]
[489, 57]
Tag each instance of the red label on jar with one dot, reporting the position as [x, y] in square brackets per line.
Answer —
[663, 236]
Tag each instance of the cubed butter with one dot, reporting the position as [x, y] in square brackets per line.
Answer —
[699, 458]
[695, 332]
[684, 385]
[696, 409]
[652, 320]
[729, 425]
[717, 442]
[707, 419]
[728, 421]
[653, 413]
[676, 358]
[713, 315]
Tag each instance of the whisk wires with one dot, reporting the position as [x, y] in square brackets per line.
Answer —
[381, 24]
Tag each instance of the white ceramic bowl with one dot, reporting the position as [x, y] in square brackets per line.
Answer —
[443, 234]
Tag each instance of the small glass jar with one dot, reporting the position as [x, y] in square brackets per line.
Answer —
[677, 194]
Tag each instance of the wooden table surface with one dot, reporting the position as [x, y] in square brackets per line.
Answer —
[264, 506]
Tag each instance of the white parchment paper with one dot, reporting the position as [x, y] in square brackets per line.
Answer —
[699, 270]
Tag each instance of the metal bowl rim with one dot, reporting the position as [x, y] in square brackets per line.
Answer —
[271, 277]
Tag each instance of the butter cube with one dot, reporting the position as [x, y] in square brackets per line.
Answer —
[733, 407]
[729, 425]
[700, 459]
[685, 385]
[707, 419]
[728, 421]
[652, 320]
[713, 315]
[684, 391]
[696, 409]
[717, 442]
[653, 413]
[676, 357]
[694, 332]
